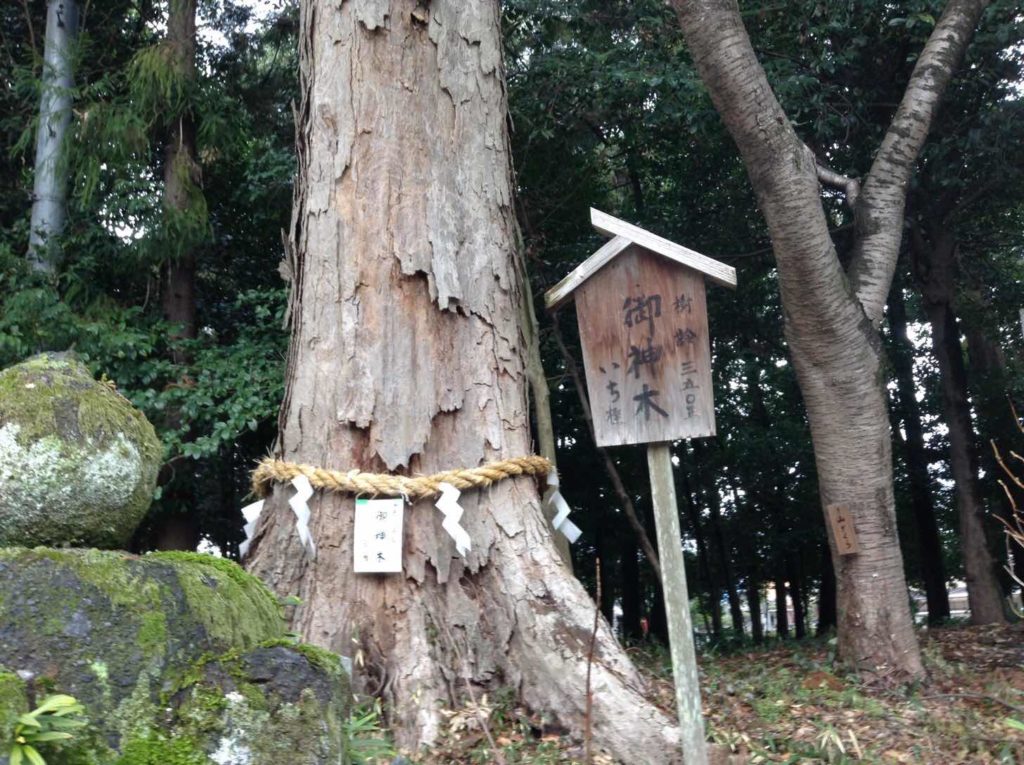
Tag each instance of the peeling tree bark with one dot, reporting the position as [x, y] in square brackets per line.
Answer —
[832, 316]
[407, 355]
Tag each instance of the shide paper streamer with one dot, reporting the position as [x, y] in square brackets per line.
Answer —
[561, 520]
[449, 505]
[299, 505]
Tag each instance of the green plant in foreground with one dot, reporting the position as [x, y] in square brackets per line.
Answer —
[50, 721]
[365, 741]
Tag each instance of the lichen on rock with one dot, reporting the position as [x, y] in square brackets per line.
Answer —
[78, 463]
[179, 659]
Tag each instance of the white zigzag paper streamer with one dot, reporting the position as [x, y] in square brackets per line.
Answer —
[449, 505]
[299, 505]
[561, 520]
[251, 513]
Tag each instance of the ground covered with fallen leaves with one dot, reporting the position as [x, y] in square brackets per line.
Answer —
[791, 703]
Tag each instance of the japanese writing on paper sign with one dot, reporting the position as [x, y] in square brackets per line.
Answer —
[643, 325]
[377, 536]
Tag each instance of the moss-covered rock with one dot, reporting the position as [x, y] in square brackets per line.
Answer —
[78, 463]
[179, 659]
[13, 702]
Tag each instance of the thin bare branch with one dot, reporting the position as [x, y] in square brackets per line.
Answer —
[31, 31]
[999, 459]
[609, 465]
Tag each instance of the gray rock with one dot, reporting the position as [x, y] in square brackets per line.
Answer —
[78, 463]
[176, 657]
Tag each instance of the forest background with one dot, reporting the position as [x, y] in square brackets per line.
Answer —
[606, 111]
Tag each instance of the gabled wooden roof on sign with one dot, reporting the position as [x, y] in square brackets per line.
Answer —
[623, 235]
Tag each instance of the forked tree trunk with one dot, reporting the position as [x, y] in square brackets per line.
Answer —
[407, 356]
[832, 315]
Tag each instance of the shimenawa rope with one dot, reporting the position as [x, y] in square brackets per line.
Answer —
[271, 471]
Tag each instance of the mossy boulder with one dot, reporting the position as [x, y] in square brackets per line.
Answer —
[78, 463]
[178, 658]
[13, 702]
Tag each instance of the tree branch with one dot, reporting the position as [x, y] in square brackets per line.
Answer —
[782, 171]
[880, 217]
[849, 186]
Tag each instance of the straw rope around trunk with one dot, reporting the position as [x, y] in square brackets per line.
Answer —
[271, 471]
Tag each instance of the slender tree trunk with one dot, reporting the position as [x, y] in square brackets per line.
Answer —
[826, 597]
[49, 195]
[781, 607]
[541, 395]
[794, 572]
[722, 551]
[604, 546]
[180, 176]
[935, 263]
[407, 356]
[989, 379]
[711, 603]
[926, 525]
[177, 528]
[632, 593]
[754, 605]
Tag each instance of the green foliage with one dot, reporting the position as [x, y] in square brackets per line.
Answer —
[54, 720]
[366, 740]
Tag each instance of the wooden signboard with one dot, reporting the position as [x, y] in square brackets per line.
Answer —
[644, 328]
[843, 531]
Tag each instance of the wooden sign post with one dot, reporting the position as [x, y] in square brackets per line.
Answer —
[643, 323]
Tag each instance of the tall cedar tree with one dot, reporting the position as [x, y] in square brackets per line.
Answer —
[407, 355]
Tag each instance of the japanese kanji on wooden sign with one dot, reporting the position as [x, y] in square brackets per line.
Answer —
[643, 324]
[843, 531]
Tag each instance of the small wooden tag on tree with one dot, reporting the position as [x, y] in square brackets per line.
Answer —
[840, 519]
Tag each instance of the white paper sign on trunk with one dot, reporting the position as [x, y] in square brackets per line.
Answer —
[377, 536]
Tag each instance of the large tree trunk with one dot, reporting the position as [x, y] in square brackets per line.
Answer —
[935, 264]
[49, 193]
[407, 356]
[926, 526]
[831, 314]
